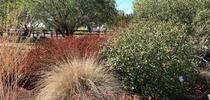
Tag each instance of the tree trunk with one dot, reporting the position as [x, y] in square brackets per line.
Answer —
[60, 31]
[65, 30]
[26, 31]
[89, 28]
[69, 31]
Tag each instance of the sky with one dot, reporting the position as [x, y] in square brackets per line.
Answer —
[125, 5]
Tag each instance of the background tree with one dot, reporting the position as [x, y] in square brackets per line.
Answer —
[17, 14]
[67, 15]
[27, 15]
[6, 7]
[122, 20]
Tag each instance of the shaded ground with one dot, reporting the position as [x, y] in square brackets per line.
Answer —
[201, 88]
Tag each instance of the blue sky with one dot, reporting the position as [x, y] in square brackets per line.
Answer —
[125, 5]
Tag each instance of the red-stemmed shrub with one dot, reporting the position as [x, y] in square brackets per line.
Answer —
[53, 50]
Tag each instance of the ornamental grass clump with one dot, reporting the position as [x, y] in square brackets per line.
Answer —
[150, 57]
[76, 80]
[11, 60]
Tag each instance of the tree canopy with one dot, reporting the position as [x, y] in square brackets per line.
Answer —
[66, 15]
[62, 15]
[16, 13]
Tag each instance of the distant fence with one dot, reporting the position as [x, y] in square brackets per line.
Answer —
[49, 33]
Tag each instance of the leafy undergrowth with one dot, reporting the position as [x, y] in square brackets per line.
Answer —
[53, 50]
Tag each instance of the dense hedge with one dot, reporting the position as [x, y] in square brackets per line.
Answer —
[150, 56]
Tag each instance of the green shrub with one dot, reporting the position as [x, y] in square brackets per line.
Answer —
[150, 57]
[187, 12]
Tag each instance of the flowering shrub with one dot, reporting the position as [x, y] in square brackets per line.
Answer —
[150, 58]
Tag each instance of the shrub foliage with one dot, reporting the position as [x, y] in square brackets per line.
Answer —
[53, 50]
[192, 13]
[150, 57]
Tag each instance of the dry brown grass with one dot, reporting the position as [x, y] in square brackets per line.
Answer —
[11, 56]
[76, 80]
